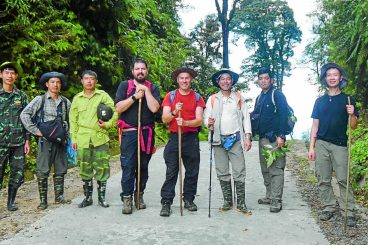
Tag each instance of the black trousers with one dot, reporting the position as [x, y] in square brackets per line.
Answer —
[190, 159]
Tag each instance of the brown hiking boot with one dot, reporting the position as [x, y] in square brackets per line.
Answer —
[127, 205]
[142, 205]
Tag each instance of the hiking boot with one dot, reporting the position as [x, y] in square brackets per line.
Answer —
[142, 205]
[275, 206]
[325, 215]
[351, 221]
[127, 205]
[42, 189]
[59, 190]
[166, 209]
[264, 200]
[228, 195]
[87, 190]
[12, 192]
[190, 205]
[101, 189]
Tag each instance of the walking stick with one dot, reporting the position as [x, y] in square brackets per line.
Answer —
[210, 188]
[180, 170]
[348, 171]
[139, 152]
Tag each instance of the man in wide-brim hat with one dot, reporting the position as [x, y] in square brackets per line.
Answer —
[343, 78]
[227, 116]
[216, 77]
[53, 74]
[328, 140]
[183, 108]
[53, 105]
[14, 143]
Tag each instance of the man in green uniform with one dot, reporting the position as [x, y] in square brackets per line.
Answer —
[14, 141]
[90, 137]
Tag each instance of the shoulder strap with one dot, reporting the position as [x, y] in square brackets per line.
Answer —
[237, 93]
[197, 96]
[130, 87]
[172, 96]
[273, 99]
[212, 100]
[41, 110]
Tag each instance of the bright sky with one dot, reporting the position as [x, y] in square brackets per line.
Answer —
[299, 92]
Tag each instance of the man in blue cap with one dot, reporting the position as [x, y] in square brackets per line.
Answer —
[269, 121]
[328, 140]
[227, 115]
[43, 109]
[14, 140]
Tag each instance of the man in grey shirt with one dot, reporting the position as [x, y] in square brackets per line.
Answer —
[46, 108]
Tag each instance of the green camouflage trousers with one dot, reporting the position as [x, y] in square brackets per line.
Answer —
[94, 162]
[15, 157]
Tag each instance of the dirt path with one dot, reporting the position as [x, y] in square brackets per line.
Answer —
[28, 199]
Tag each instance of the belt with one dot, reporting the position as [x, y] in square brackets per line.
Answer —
[129, 129]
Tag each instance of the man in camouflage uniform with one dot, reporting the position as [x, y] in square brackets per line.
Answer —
[14, 141]
[89, 134]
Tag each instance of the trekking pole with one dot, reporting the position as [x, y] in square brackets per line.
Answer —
[180, 170]
[348, 171]
[139, 152]
[210, 188]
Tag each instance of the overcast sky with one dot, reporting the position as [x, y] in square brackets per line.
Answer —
[299, 92]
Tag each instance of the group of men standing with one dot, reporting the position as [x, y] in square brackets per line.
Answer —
[137, 101]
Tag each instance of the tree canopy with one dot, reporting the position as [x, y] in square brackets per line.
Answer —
[271, 31]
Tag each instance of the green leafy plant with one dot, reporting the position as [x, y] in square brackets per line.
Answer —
[271, 153]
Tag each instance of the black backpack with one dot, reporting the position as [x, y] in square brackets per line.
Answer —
[291, 119]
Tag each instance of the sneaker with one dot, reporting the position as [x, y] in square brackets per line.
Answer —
[351, 221]
[165, 210]
[190, 205]
[275, 206]
[264, 200]
[325, 215]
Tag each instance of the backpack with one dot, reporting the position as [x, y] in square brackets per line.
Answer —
[173, 93]
[291, 118]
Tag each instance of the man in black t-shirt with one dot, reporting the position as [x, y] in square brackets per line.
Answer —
[126, 103]
[328, 140]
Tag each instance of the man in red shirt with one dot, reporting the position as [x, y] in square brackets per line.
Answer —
[190, 106]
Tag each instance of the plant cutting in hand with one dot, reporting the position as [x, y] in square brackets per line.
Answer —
[271, 153]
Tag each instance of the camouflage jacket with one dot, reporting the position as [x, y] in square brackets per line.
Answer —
[12, 132]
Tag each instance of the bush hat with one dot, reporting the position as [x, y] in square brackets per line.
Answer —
[176, 73]
[343, 83]
[217, 75]
[16, 66]
[46, 76]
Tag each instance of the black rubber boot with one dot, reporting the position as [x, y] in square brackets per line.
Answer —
[12, 192]
[228, 195]
[42, 189]
[59, 190]
[127, 204]
[101, 189]
[88, 190]
[240, 196]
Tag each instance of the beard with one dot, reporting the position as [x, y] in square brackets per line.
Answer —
[140, 78]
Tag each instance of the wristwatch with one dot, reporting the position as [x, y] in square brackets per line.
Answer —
[172, 113]
[134, 98]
